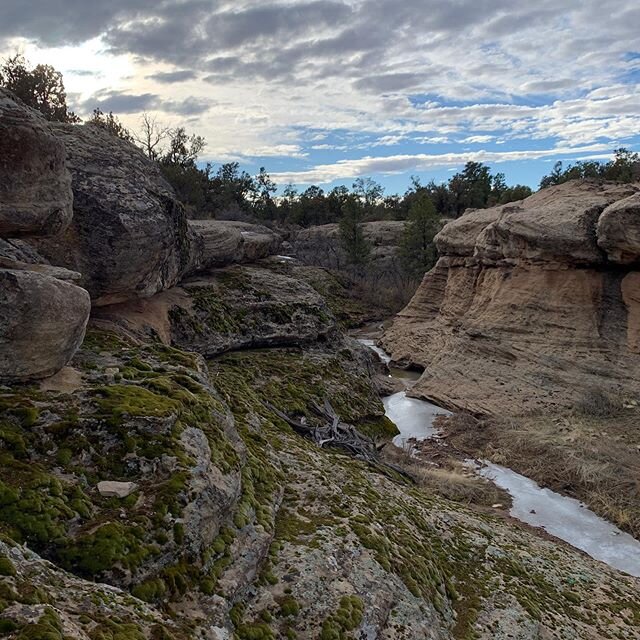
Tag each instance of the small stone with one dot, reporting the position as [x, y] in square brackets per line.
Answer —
[111, 489]
[498, 505]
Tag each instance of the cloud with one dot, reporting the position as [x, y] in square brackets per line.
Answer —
[256, 75]
[125, 103]
[477, 139]
[322, 174]
[171, 77]
[119, 102]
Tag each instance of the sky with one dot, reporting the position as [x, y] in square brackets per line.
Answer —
[325, 91]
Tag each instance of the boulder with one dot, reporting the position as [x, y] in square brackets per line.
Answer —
[113, 489]
[554, 224]
[524, 311]
[619, 230]
[129, 235]
[458, 238]
[35, 185]
[321, 245]
[19, 251]
[42, 323]
[247, 307]
[257, 241]
[220, 243]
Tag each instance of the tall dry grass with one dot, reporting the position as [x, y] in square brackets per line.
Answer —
[592, 454]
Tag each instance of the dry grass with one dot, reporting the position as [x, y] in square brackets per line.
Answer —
[449, 478]
[592, 455]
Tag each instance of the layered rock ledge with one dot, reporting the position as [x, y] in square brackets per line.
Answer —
[532, 305]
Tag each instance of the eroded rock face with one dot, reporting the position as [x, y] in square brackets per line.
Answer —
[35, 186]
[248, 307]
[321, 245]
[42, 323]
[129, 235]
[531, 313]
[220, 243]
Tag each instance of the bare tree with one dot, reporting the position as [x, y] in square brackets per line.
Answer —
[151, 135]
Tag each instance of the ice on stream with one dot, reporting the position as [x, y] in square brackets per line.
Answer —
[414, 418]
[567, 519]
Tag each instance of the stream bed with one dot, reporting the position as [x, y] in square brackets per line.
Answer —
[563, 517]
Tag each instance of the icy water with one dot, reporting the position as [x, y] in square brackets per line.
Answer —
[414, 418]
[562, 517]
[567, 519]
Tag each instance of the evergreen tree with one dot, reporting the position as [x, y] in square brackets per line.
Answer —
[40, 88]
[352, 238]
[417, 250]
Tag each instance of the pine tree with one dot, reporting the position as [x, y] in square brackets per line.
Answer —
[417, 250]
[352, 239]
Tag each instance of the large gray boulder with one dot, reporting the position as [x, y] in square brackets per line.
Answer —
[220, 243]
[42, 323]
[619, 230]
[35, 186]
[129, 235]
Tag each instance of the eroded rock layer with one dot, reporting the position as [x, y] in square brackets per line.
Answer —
[532, 304]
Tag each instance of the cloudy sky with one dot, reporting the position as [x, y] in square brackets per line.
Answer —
[323, 91]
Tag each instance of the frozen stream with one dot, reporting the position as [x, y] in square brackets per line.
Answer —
[413, 417]
[567, 519]
[562, 517]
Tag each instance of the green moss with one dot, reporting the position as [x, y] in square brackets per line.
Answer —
[110, 545]
[7, 626]
[288, 607]
[347, 618]
[257, 631]
[117, 401]
[48, 627]
[7, 567]
[150, 591]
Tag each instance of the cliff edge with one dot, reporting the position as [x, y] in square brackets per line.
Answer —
[531, 305]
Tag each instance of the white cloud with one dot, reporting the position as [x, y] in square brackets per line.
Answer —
[342, 169]
[290, 77]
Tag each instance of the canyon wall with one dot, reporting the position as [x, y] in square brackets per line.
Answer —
[532, 305]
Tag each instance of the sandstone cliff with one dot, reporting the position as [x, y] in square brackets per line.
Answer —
[531, 305]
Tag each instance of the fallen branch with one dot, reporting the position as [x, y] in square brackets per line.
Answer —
[332, 431]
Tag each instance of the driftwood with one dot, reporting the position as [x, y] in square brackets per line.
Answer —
[333, 432]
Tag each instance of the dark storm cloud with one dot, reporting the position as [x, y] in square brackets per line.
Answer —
[171, 77]
[188, 107]
[55, 22]
[120, 102]
[234, 28]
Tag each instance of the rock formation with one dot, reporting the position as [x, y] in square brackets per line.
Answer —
[531, 305]
[152, 490]
[42, 323]
[43, 314]
[321, 245]
[129, 235]
[219, 243]
[35, 185]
